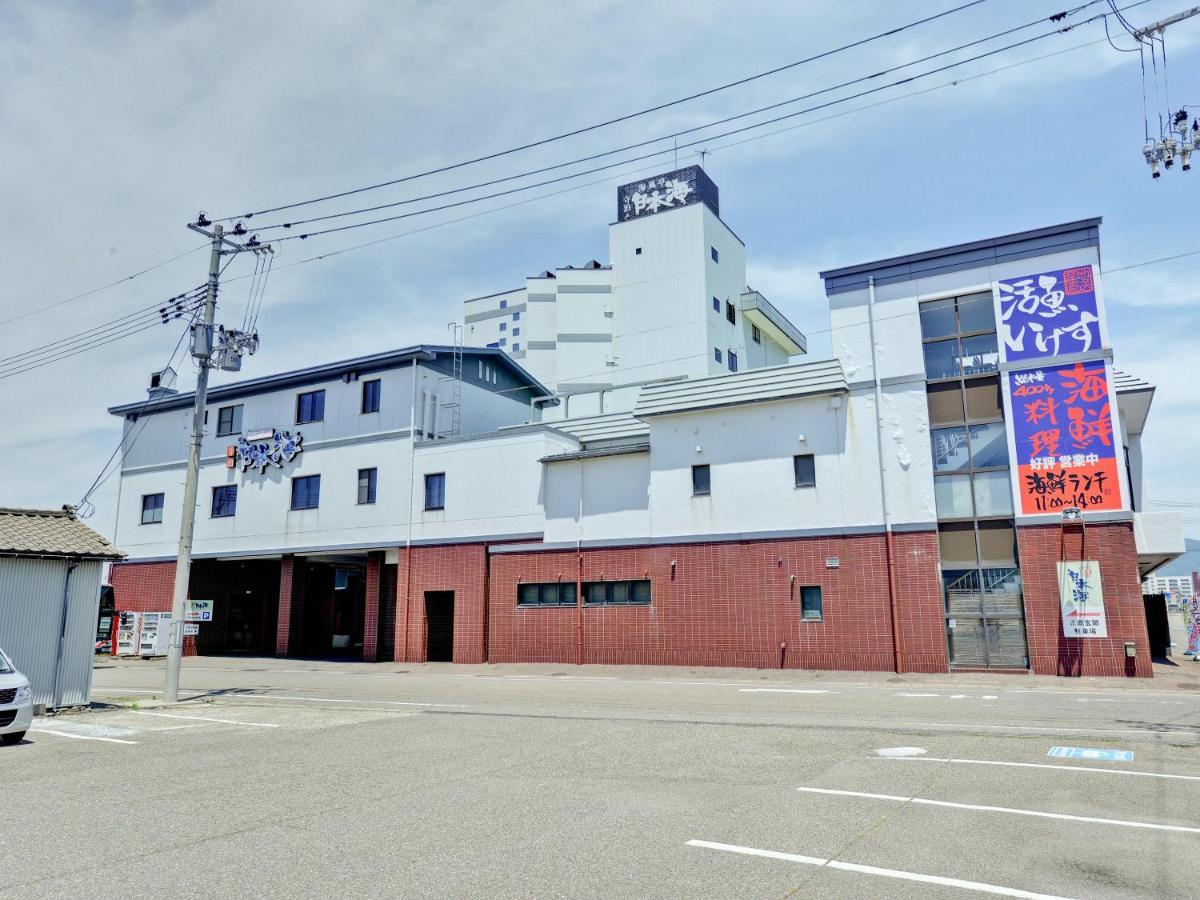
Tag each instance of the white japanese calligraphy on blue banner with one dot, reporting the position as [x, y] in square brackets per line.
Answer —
[1050, 314]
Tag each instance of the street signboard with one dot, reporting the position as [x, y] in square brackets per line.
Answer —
[1082, 599]
[1092, 753]
[198, 611]
[191, 628]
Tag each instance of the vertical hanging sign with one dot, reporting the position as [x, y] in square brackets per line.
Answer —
[1064, 434]
[1082, 599]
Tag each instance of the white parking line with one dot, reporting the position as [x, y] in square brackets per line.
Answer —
[333, 700]
[81, 737]
[143, 712]
[1003, 809]
[979, 886]
[971, 726]
[782, 691]
[1025, 765]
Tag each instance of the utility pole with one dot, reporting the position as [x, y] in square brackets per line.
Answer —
[232, 345]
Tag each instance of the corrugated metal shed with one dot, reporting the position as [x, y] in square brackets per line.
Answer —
[50, 569]
[754, 386]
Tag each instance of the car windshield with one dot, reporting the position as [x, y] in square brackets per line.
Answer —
[6, 668]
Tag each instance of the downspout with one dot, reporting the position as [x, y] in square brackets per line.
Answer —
[412, 465]
[579, 571]
[62, 632]
[897, 655]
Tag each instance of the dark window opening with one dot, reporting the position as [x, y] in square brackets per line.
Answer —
[755, 334]
[733, 361]
[224, 501]
[367, 479]
[810, 603]
[701, 484]
[435, 490]
[310, 407]
[152, 508]
[555, 593]
[804, 467]
[717, 354]
[716, 257]
[371, 391]
[730, 313]
[306, 492]
[229, 420]
[617, 593]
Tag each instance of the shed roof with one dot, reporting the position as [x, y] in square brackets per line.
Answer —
[50, 532]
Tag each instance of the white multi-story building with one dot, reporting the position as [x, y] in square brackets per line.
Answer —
[648, 470]
[1180, 587]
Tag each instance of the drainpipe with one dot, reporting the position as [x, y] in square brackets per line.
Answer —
[579, 572]
[412, 465]
[62, 632]
[898, 657]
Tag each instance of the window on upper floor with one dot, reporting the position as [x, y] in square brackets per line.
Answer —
[504, 326]
[716, 305]
[730, 313]
[504, 304]
[310, 407]
[224, 501]
[229, 420]
[435, 490]
[516, 332]
[517, 316]
[502, 342]
[804, 467]
[701, 483]
[810, 603]
[716, 257]
[516, 348]
[152, 509]
[367, 479]
[732, 357]
[371, 392]
[959, 335]
[306, 492]
[717, 354]
[755, 334]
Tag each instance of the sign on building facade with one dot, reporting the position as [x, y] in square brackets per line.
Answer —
[1064, 433]
[1082, 599]
[268, 448]
[682, 187]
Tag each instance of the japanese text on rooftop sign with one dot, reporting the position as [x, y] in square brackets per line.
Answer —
[1063, 430]
[1051, 314]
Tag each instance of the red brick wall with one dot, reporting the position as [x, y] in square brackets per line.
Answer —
[146, 587]
[371, 611]
[460, 568]
[1112, 545]
[283, 627]
[731, 604]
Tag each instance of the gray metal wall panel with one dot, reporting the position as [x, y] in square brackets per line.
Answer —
[31, 593]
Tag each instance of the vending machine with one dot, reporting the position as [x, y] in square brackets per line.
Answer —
[128, 633]
[156, 634]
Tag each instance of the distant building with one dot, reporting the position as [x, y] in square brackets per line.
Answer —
[644, 467]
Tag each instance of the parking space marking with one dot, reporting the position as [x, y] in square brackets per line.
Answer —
[336, 700]
[1026, 765]
[80, 737]
[977, 807]
[145, 712]
[978, 886]
[783, 691]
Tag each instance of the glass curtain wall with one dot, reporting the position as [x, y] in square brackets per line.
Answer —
[981, 578]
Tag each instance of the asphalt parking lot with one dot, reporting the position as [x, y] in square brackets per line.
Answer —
[290, 778]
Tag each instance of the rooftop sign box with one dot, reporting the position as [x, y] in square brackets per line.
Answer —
[682, 187]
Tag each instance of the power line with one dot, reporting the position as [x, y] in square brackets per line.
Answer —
[30, 365]
[696, 143]
[614, 121]
[105, 287]
[671, 136]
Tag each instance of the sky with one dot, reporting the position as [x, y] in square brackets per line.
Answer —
[120, 121]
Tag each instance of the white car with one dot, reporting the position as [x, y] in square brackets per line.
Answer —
[16, 704]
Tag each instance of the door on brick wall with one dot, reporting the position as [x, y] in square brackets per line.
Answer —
[439, 626]
[985, 619]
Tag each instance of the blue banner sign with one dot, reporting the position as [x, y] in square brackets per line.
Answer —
[1092, 753]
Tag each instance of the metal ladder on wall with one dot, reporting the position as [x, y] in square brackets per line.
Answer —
[453, 406]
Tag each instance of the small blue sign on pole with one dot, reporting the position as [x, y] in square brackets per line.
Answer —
[1092, 753]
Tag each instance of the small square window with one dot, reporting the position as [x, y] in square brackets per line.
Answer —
[804, 467]
[152, 508]
[516, 332]
[730, 313]
[716, 305]
[504, 326]
[229, 420]
[310, 407]
[224, 501]
[716, 257]
[732, 361]
[810, 604]
[516, 348]
[504, 304]
[371, 391]
[637, 251]
[503, 342]
[306, 492]
[701, 483]
[517, 316]
[755, 334]
[717, 354]
[367, 480]
[435, 491]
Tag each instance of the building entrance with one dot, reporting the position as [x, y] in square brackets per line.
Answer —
[439, 626]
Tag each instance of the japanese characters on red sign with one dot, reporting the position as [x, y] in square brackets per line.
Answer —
[1065, 437]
